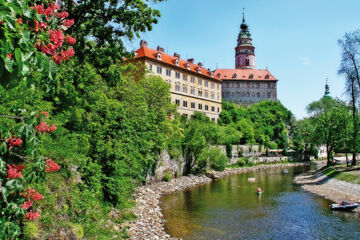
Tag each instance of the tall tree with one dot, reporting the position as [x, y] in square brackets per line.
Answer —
[329, 117]
[102, 26]
[349, 68]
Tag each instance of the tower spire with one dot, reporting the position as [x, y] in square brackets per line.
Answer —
[244, 51]
[243, 15]
[327, 89]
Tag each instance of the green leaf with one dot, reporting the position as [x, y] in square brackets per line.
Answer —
[15, 7]
[18, 56]
[5, 192]
[10, 22]
[9, 64]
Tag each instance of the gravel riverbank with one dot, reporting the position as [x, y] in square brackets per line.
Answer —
[329, 188]
[150, 221]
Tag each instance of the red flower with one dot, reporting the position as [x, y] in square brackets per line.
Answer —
[2, 22]
[56, 37]
[39, 25]
[27, 204]
[62, 14]
[9, 55]
[51, 166]
[57, 59]
[14, 142]
[19, 21]
[44, 127]
[70, 40]
[32, 215]
[32, 194]
[68, 23]
[39, 9]
[46, 114]
[68, 53]
[14, 171]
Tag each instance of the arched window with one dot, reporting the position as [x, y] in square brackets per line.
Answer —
[251, 76]
[177, 62]
[247, 62]
[267, 76]
[159, 56]
[234, 76]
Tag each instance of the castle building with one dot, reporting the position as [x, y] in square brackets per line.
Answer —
[192, 87]
[245, 84]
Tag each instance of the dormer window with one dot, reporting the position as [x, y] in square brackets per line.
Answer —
[234, 76]
[212, 74]
[218, 75]
[199, 69]
[188, 66]
[159, 56]
[177, 62]
[251, 76]
[267, 76]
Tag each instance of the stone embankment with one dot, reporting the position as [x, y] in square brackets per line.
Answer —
[329, 188]
[150, 222]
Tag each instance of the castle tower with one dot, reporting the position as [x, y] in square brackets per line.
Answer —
[244, 51]
[327, 89]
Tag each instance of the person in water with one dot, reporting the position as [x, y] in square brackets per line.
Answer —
[259, 189]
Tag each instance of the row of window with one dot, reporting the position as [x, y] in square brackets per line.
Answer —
[193, 92]
[249, 85]
[212, 119]
[199, 106]
[185, 77]
[248, 94]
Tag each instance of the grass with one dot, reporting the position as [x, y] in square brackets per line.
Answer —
[343, 173]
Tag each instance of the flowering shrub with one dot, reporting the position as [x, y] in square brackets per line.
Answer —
[32, 39]
[33, 31]
[21, 164]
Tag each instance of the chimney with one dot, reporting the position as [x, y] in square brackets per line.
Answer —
[160, 49]
[200, 64]
[143, 43]
[176, 55]
[191, 60]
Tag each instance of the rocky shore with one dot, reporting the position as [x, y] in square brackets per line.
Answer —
[329, 188]
[150, 222]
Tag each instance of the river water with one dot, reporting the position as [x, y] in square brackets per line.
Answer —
[230, 209]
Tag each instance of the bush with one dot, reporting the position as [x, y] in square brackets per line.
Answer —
[167, 177]
[30, 230]
[243, 161]
[273, 145]
[229, 150]
[217, 159]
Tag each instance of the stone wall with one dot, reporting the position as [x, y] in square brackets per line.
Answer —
[167, 164]
[242, 151]
[176, 166]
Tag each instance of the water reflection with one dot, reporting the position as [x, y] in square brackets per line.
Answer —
[230, 209]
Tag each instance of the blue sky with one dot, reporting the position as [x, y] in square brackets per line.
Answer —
[296, 40]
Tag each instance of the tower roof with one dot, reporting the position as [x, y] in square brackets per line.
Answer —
[244, 26]
[327, 89]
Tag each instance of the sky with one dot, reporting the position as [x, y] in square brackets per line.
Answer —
[295, 40]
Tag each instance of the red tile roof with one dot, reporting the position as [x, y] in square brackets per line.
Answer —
[146, 52]
[244, 74]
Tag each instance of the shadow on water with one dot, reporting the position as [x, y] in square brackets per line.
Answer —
[230, 209]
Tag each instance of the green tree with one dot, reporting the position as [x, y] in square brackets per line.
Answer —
[329, 118]
[101, 26]
[349, 68]
[310, 140]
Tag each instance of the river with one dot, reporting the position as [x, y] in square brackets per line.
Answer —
[230, 209]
